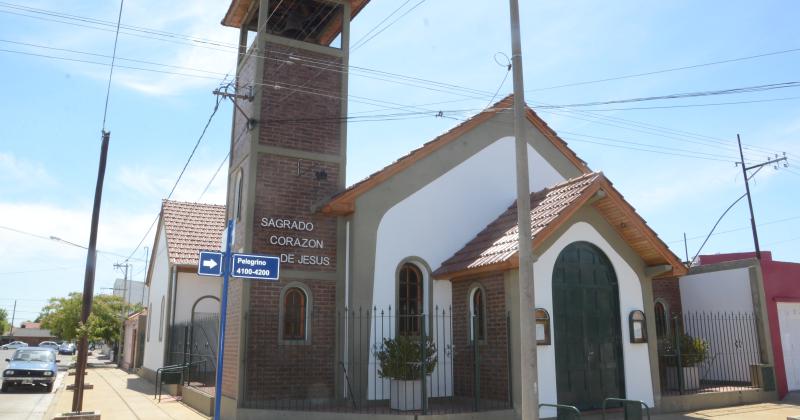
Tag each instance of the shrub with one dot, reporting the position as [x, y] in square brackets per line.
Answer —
[693, 350]
[400, 358]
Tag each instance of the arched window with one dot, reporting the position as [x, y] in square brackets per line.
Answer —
[662, 319]
[237, 198]
[477, 311]
[410, 300]
[294, 314]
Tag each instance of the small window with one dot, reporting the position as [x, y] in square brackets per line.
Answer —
[237, 198]
[161, 321]
[542, 327]
[477, 311]
[294, 314]
[410, 300]
[662, 319]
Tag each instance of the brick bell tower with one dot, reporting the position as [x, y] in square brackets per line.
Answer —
[287, 154]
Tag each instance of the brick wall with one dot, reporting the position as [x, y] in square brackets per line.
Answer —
[493, 352]
[277, 370]
[302, 114]
[669, 290]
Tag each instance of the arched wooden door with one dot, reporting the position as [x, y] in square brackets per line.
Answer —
[588, 340]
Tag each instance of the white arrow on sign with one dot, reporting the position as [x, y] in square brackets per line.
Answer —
[210, 264]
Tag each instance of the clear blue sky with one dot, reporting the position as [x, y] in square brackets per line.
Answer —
[52, 113]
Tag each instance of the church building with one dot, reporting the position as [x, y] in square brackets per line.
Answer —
[423, 251]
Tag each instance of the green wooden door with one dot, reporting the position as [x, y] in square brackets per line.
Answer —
[588, 345]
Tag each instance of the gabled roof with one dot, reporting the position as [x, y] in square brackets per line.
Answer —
[495, 248]
[191, 228]
[239, 9]
[343, 203]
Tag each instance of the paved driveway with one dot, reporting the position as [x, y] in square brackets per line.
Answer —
[26, 404]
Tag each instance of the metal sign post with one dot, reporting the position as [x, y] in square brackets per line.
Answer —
[257, 267]
[226, 273]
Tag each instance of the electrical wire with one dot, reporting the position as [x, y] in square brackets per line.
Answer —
[111, 69]
[46, 238]
[667, 70]
[362, 43]
[739, 229]
[180, 175]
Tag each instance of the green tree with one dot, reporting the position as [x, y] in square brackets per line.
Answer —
[62, 317]
[4, 325]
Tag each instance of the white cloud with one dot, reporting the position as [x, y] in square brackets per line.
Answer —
[22, 171]
[155, 183]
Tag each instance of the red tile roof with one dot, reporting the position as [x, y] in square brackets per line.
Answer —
[191, 228]
[495, 248]
[497, 243]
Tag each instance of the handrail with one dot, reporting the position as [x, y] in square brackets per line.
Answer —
[563, 406]
[626, 402]
[169, 369]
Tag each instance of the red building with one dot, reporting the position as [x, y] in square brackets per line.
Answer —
[782, 295]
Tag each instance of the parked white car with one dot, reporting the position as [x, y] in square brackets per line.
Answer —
[14, 345]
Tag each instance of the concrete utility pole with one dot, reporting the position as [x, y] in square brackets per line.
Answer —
[121, 341]
[745, 169]
[529, 409]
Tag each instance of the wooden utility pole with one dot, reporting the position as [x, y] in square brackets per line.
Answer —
[88, 281]
[529, 408]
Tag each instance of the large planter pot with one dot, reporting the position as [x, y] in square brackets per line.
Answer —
[691, 378]
[406, 395]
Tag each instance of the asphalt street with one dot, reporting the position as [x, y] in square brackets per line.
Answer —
[25, 403]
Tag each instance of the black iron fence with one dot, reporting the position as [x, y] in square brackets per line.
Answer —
[194, 345]
[708, 352]
[375, 361]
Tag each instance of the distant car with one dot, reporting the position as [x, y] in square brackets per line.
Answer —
[49, 344]
[33, 366]
[14, 345]
[66, 348]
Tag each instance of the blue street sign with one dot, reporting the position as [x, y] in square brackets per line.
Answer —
[209, 263]
[259, 267]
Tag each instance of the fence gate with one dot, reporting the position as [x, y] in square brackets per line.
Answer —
[708, 352]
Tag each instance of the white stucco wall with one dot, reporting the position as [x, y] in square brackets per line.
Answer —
[440, 218]
[725, 294]
[638, 384]
[192, 287]
[159, 281]
[726, 290]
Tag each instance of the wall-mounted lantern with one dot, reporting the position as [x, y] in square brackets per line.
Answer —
[542, 327]
[637, 326]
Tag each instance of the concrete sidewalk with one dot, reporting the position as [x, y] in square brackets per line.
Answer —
[763, 411]
[119, 395]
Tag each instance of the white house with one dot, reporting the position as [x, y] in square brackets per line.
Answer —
[175, 290]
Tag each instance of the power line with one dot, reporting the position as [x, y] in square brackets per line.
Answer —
[39, 270]
[694, 105]
[180, 175]
[667, 70]
[108, 56]
[361, 44]
[381, 23]
[737, 229]
[113, 59]
[747, 89]
[46, 238]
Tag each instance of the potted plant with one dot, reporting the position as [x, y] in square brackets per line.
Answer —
[693, 351]
[401, 361]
